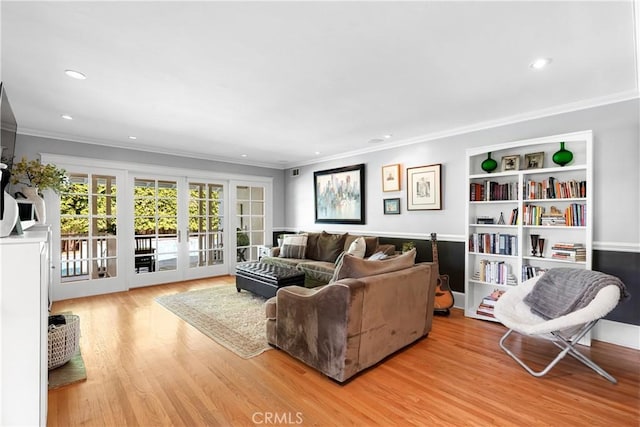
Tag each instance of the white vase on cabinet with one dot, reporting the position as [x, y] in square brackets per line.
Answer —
[9, 212]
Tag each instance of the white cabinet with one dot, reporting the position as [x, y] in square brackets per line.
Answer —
[24, 282]
[526, 199]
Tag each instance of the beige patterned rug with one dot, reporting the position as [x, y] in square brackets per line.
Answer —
[233, 319]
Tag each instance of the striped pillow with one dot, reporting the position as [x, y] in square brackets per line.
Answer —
[294, 246]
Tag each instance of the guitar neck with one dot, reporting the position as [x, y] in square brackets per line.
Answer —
[434, 250]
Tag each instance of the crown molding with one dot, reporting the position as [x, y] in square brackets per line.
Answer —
[145, 148]
[516, 118]
[508, 120]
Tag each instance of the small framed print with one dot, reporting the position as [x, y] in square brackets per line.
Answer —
[391, 206]
[391, 178]
[534, 160]
[510, 163]
[423, 188]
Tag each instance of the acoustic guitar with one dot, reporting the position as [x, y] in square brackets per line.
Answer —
[444, 296]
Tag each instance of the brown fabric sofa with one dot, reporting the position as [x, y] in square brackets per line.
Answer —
[322, 251]
[353, 323]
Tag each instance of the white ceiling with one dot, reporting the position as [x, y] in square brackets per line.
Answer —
[280, 81]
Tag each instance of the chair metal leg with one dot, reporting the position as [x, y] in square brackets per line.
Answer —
[567, 347]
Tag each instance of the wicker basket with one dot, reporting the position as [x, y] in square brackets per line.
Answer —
[64, 341]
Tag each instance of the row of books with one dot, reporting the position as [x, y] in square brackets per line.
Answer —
[532, 190]
[575, 215]
[575, 252]
[493, 243]
[530, 271]
[497, 272]
[552, 189]
[488, 303]
[491, 190]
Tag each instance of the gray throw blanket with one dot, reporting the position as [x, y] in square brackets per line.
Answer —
[563, 290]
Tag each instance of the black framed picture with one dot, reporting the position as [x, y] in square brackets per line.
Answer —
[391, 206]
[339, 195]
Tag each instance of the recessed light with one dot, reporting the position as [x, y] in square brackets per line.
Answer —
[540, 63]
[387, 136]
[75, 74]
[316, 153]
[133, 137]
[243, 155]
[66, 117]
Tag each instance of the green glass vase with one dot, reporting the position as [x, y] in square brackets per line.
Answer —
[489, 164]
[563, 156]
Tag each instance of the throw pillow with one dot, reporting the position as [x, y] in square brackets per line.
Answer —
[358, 247]
[378, 255]
[356, 268]
[294, 246]
[330, 246]
[312, 245]
[371, 241]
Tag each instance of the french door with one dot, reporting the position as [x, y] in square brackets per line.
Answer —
[251, 221]
[118, 228]
[178, 229]
[86, 224]
[157, 240]
[207, 248]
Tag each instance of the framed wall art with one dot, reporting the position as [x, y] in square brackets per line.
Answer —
[534, 160]
[510, 163]
[423, 188]
[339, 195]
[391, 206]
[391, 178]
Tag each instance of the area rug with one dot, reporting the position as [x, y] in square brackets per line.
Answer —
[233, 319]
[71, 372]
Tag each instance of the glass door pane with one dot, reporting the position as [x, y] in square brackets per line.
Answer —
[155, 204]
[206, 243]
[251, 222]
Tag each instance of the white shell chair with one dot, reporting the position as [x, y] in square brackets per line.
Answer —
[564, 331]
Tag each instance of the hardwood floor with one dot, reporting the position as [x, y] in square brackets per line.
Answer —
[147, 367]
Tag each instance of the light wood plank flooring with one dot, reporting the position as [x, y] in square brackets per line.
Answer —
[147, 367]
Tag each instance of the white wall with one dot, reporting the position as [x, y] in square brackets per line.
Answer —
[616, 129]
[32, 146]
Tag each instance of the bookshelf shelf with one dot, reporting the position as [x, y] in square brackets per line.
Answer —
[551, 195]
[506, 226]
[487, 254]
[500, 285]
[549, 259]
[557, 227]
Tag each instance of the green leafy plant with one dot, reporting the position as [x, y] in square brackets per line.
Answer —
[407, 246]
[33, 173]
[242, 238]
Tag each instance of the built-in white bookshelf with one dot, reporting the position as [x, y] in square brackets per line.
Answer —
[539, 198]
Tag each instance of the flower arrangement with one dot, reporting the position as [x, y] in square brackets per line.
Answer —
[33, 173]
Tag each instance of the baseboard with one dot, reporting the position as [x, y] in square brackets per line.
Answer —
[458, 300]
[622, 334]
[617, 333]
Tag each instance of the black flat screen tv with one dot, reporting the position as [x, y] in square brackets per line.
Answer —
[8, 128]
